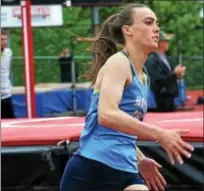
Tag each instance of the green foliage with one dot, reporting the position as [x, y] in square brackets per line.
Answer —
[181, 18]
[178, 17]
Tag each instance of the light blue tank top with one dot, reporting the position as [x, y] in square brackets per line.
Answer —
[113, 148]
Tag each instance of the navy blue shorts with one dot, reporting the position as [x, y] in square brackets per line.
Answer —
[86, 174]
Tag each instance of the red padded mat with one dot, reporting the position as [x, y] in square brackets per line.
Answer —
[49, 131]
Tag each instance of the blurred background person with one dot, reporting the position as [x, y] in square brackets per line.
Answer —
[163, 77]
[65, 64]
[7, 110]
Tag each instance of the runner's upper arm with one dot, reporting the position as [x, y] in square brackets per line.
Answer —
[114, 77]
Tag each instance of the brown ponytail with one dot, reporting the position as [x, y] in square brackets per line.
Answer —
[110, 34]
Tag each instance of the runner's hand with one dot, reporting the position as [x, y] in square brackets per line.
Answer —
[149, 170]
[171, 141]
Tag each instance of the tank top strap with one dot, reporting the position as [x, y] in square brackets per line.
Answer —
[132, 67]
[146, 72]
[131, 64]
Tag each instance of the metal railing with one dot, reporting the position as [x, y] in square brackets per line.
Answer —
[47, 69]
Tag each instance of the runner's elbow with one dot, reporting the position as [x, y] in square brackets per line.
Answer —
[105, 118]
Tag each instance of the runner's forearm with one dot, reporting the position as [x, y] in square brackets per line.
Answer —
[121, 121]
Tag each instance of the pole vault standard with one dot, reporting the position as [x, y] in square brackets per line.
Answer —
[28, 58]
[73, 45]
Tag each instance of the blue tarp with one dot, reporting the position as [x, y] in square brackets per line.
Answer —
[61, 101]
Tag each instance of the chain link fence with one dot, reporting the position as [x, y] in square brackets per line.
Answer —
[47, 70]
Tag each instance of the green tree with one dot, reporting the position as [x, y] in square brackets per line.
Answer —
[178, 17]
[182, 18]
